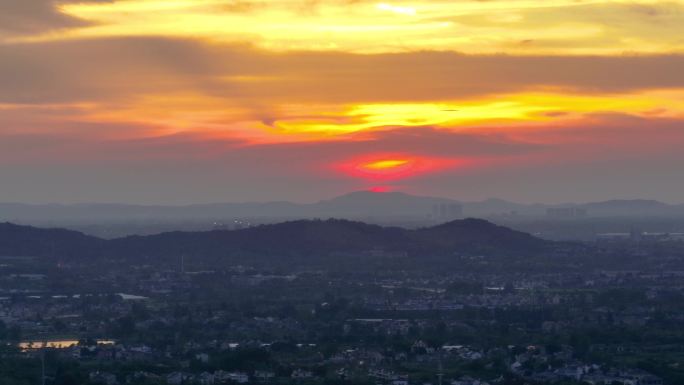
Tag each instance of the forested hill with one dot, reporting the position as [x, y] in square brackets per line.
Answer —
[300, 238]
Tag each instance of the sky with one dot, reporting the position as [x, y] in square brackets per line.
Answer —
[194, 101]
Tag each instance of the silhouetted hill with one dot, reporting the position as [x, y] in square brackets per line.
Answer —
[312, 238]
[18, 240]
[304, 237]
[478, 235]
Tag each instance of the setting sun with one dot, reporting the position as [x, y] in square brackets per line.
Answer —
[385, 164]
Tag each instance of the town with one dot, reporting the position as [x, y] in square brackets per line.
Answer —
[377, 323]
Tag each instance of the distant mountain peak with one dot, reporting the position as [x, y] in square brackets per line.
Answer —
[627, 202]
[375, 195]
[472, 225]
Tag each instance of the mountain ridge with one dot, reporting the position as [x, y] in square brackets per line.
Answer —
[302, 237]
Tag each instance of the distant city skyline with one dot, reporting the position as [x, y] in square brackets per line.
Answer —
[196, 101]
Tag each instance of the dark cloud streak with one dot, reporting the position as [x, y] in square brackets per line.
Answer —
[106, 69]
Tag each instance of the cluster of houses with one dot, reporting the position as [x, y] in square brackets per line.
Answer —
[535, 365]
[204, 378]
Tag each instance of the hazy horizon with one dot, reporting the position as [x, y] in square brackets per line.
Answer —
[326, 198]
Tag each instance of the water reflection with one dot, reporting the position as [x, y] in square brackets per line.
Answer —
[55, 344]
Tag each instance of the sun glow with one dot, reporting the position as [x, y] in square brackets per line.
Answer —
[394, 167]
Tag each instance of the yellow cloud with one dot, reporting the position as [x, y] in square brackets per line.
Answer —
[517, 26]
[289, 122]
[504, 111]
[397, 9]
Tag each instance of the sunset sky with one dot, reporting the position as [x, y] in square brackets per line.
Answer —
[191, 101]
